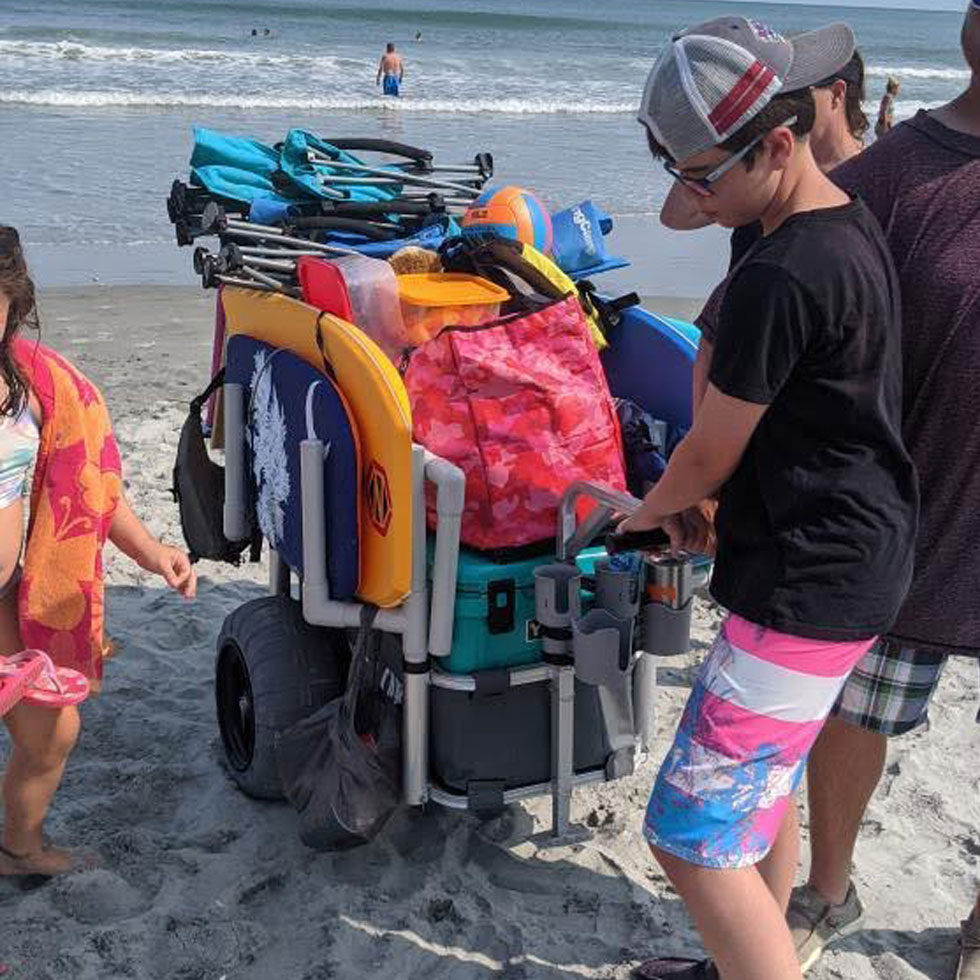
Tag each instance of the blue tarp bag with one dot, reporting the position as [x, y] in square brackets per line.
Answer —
[579, 248]
[647, 445]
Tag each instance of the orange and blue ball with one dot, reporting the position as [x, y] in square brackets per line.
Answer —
[511, 212]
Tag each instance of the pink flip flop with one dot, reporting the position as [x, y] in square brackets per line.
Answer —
[15, 679]
[50, 686]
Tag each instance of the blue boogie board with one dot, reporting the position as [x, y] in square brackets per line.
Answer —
[288, 401]
[650, 360]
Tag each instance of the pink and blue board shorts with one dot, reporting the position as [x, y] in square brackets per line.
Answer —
[757, 706]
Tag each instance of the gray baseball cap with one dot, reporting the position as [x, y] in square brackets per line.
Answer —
[710, 80]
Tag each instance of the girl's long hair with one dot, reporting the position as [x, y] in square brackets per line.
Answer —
[17, 285]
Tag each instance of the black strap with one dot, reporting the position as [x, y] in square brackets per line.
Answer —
[497, 259]
[216, 382]
[360, 660]
[354, 225]
[382, 146]
[322, 348]
[608, 311]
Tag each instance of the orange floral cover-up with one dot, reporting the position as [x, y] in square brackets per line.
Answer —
[76, 488]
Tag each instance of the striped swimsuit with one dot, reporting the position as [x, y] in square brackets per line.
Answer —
[19, 438]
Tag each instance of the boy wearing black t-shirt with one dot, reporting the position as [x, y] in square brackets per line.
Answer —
[798, 433]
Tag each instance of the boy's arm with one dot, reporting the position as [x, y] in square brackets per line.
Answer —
[699, 376]
[704, 459]
[381, 67]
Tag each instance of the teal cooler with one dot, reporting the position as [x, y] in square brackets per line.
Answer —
[494, 624]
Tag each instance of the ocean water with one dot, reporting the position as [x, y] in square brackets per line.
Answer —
[98, 99]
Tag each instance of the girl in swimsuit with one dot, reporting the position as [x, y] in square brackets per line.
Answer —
[42, 737]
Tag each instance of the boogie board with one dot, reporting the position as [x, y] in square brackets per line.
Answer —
[650, 360]
[289, 401]
[380, 407]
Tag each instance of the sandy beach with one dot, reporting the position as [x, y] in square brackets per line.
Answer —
[201, 883]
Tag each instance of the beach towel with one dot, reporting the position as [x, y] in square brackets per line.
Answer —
[76, 488]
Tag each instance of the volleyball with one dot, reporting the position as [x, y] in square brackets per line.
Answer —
[511, 212]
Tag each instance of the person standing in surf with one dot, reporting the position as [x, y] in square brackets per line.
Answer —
[391, 70]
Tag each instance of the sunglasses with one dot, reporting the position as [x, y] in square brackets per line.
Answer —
[703, 185]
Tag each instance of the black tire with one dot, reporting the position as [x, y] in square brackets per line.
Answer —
[272, 669]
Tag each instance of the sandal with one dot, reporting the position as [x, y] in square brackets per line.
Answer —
[15, 681]
[50, 686]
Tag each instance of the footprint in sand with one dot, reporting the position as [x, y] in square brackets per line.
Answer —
[97, 897]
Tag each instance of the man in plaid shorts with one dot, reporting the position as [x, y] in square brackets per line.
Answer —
[922, 182]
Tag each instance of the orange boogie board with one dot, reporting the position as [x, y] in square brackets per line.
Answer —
[379, 404]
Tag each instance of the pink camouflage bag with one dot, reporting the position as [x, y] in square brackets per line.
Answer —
[521, 405]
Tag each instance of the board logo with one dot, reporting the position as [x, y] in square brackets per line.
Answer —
[378, 495]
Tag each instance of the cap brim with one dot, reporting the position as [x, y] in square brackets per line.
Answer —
[675, 209]
[606, 265]
[818, 54]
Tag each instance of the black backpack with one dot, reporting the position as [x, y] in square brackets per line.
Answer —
[531, 285]
[199, 490]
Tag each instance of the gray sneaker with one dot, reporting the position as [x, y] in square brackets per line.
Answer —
[815, 924]
[969, 965]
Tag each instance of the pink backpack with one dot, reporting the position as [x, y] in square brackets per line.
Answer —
[521, 405]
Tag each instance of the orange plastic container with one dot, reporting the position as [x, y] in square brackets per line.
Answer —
[433, 300]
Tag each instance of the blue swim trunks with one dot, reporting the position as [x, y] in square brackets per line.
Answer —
[390, 85]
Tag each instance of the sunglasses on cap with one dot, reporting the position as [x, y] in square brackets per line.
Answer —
[703, 185]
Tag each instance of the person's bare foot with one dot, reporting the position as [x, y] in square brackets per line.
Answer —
[47, 862]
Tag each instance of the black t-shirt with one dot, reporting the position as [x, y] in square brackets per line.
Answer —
[816, 525]
[742, 240]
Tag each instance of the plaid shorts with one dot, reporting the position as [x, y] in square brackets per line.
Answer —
[890, 688]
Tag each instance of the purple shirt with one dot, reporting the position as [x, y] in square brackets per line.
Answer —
[922, 183]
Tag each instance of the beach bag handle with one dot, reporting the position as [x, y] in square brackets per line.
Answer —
[197, 404]
[502, 260]
[198, 489]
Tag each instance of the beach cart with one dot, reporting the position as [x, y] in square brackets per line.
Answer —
[519, 678]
